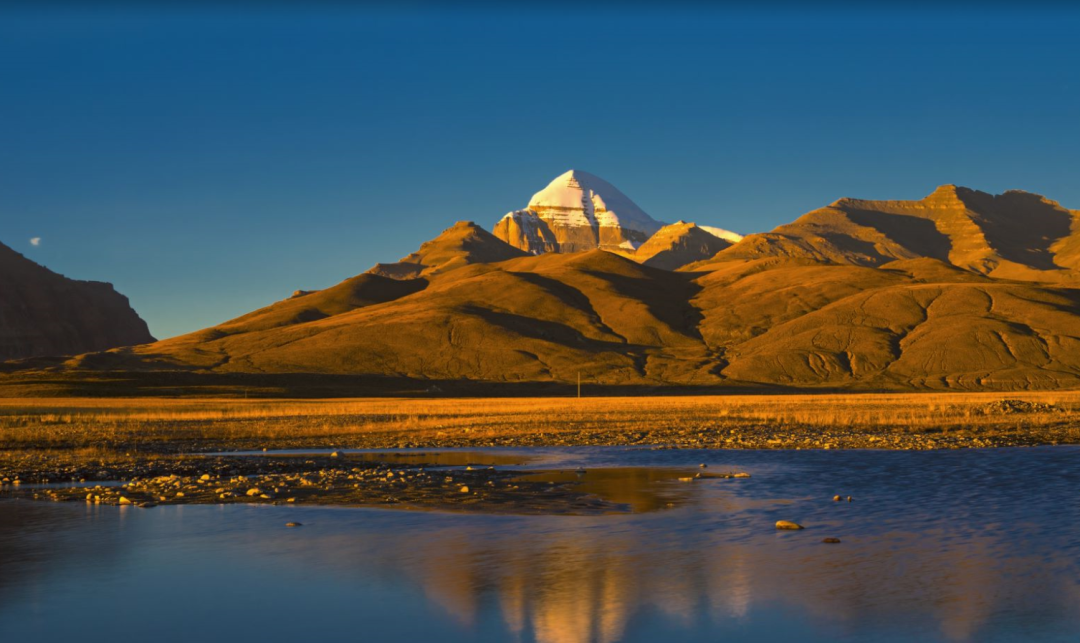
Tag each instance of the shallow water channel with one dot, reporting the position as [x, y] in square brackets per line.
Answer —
[977, 545]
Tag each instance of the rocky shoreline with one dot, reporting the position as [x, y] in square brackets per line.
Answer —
[337, 479]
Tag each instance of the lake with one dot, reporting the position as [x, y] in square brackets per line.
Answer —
[974, 545]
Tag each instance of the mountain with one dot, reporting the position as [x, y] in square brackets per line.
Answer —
[1015, 235]
[679, 244]
[464, 243]
[861, 295]
[576, 212]
[43, 313]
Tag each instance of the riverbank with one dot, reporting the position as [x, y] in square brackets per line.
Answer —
[826, 421]
[168, 451]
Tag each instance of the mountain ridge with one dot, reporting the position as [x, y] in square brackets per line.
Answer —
[1013, 235]
[940, 293]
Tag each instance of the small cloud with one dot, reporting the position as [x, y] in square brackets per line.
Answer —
[35, 241]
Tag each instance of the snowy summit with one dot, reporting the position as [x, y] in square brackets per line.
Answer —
[577, 211]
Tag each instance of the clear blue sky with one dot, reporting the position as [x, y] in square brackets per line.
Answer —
[211, 160]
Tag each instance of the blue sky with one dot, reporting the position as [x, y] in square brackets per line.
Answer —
[211, 160]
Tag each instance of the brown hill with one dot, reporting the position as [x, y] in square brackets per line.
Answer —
[861, 295]
[1015, 235]
[463, 243]
[43, 313]
[677, 245]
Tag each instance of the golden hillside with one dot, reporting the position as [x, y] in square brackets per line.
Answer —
[678, 245]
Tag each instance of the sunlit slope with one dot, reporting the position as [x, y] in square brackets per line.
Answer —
[533, 318]
[462, 244]
[940, 335]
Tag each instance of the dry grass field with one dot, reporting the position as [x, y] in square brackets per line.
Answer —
[917, 421]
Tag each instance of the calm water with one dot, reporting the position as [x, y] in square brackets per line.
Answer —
[952, 546]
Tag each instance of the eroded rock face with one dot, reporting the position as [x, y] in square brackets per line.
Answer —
[1015, 235]
[43, 313]
[577, 212]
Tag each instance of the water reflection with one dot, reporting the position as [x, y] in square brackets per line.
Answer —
[588, 582]
[637, 489]
[936, 547]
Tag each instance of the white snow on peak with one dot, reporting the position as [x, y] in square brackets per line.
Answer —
[580, 198]
[726, 235]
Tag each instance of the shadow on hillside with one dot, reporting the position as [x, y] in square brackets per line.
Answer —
[314, 385]
[1022, 227]
[566, 294]
[918, 235]
[667, 298]
[550, 331]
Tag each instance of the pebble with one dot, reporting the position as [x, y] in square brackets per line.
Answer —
[464, 490]
[787, 524]
[124, 501]
[831, 541]
[294, 524]
[837, 498]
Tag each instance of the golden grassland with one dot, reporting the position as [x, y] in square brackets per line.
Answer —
[926, 420]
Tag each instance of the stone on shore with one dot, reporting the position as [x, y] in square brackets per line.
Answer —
[787, 524]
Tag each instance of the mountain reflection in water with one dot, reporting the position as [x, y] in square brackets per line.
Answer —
[936, 546]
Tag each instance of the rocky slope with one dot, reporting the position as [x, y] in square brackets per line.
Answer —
[576, 212]
[1015, 235]
[43, 313]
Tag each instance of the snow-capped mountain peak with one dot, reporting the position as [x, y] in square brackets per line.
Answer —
[586, 199]
[577, 211]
